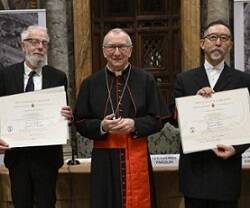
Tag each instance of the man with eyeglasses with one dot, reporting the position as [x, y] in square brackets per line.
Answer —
[212, 179]
[33, 170]
[118, 107]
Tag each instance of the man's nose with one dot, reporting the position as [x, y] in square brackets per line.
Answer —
[117, 51]
[218, 41]
[40, 45]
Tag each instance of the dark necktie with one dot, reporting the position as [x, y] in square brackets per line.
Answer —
[30, 83]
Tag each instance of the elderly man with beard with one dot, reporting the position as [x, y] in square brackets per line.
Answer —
[212, 179]
[33, 170]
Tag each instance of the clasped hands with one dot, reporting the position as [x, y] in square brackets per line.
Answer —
[117, 125]
[222, 151]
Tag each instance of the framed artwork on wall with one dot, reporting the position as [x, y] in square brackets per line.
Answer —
[12, 23]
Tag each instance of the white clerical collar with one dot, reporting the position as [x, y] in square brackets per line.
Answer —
[117, 73]
[218, 67]
[27, 70]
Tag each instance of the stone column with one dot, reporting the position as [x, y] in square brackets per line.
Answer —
[57, 26]
[218, 9]
[190, 35]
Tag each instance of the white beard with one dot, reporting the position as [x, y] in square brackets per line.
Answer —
[36, 61]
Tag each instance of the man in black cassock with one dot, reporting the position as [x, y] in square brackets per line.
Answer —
[118, 107]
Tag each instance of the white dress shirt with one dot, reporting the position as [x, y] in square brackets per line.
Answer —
[213, 72]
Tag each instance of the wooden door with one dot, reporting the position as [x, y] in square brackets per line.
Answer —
[155, 29]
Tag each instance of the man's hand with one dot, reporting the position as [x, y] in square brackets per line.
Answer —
[205, 92]
[117, 125]
[125, 125]
[66, 112]
[224, 151]
[3, 145]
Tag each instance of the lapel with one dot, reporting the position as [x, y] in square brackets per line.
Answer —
[19, 77]
[45, 78]
[201, 77]
[224, 79]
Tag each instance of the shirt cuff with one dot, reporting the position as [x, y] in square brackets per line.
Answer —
[102, 131]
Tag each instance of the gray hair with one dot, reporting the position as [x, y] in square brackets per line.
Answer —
[217, 22]
[116, 31]
[26, 32]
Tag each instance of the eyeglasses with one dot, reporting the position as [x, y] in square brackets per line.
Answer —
[112, 48]
[36, 42]
[214, 37]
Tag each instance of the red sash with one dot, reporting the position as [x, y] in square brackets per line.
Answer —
[137, 175]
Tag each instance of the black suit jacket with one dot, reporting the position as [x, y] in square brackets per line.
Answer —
[203, 174]
[12, 82]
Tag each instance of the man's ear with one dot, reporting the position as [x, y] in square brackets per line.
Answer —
[231, 44]
[22, 46]
[130, 52]
[202, 42]
[104, 54]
